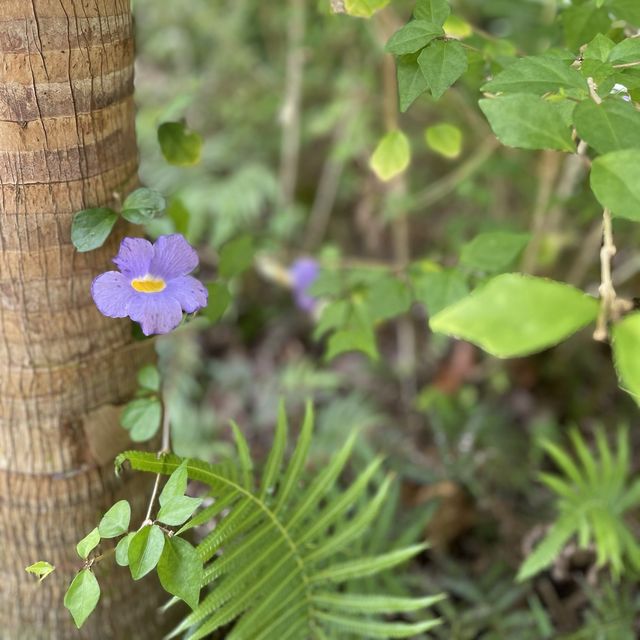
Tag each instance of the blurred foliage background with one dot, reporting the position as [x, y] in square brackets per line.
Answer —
[291, 101]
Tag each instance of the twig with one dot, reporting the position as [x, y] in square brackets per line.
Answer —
[607, 291]
[593, 91]
[627, 65]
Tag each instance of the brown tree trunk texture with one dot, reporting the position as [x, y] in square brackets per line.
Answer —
[67, 142]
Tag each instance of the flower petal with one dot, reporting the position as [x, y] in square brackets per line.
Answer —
[156, 312]
[304, 273]
[134, 257]
[189, 292]
[173, 257]
[112, 294]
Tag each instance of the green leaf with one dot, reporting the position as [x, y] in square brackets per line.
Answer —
[219, 299]
[141, 417]
[442, 63]
[90, 228]
[179, 215]
[628, 10]
[354, 339]
[365, 603]
[615, 181]
[392, 156]
[610, 126]
[599, 49]
[493, 251]
[411, 81]
[433, 10]
[528, 122]
[41, 569]
[180, 570]
[178, 510]
[364, 8]
[236, 257]
[582, 23]
[387, 298]
[143, 205]
[515, 315]
[149, 378]
[440, 289]
[122, 549]
[145, 549]
[413, 36]
[176, 485]
[537, 75]
[445, 139]
[116, 521]
[179, 146]
[377, 628]
[88, 543]
[82, 596]
[626, 353]
[625, 52]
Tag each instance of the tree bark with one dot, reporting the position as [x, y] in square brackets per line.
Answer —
[67, 142]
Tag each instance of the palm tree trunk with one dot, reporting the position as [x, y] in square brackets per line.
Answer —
[67, 142]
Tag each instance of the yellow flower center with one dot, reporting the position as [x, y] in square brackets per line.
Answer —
[149, 284]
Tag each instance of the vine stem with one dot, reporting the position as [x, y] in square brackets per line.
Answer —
[607, 291]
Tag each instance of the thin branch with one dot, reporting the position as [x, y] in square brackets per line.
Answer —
[607, 291]
[627, 65]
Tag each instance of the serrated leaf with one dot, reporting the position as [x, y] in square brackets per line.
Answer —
[440, 289]
[493, 251]
[122, 549]
[179, 146]
[413, 36]
[88, 543]
[445, 139]
[526, 121]
[626, 353]
[41, 569]
[411, 81]
[615, 181]
[364, 8]
[145, 549]
[91, 227]
[142, 417]
[582, 23]
[610, 126]
[149, 378]
[537, 75]
[392, 156]
[143, 205]
[180, 570]
[516, 315]
[599, 48]
[436, 11]
[82, 596]
[236, 256]
[178, 510]
[442, 63]
[625, 52]
[176, 485]
[219, 299]
[116, 521]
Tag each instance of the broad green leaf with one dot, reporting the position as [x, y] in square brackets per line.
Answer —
[628, 10]
[626, 353]
[440, 289]
[386, 298]
[346, 340]
[599, 48]
[515, 315]
[364, 8]
[582, 23]
[615, 180]
[122, 549]
[493, 251]
[88, 543]
[145, 549]
[537, 75]
[180, 570]
[442, 63]
[116, 521]
[411, 81]
[456, 27]
[141, 417]
[178, 510]
[176, 485]
[219, 299]
[179, 146]
[91, 228]
[236, 256]
[82, 596]
[625, 52]
[445, 139]
[149, 378]
[392, 156]
[143, 205]
[610, 126]
[413, 36]
[526, 121]
[433, 10]
[41, 569]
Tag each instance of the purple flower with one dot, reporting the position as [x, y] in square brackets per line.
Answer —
[304, 273]
[153, 286]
